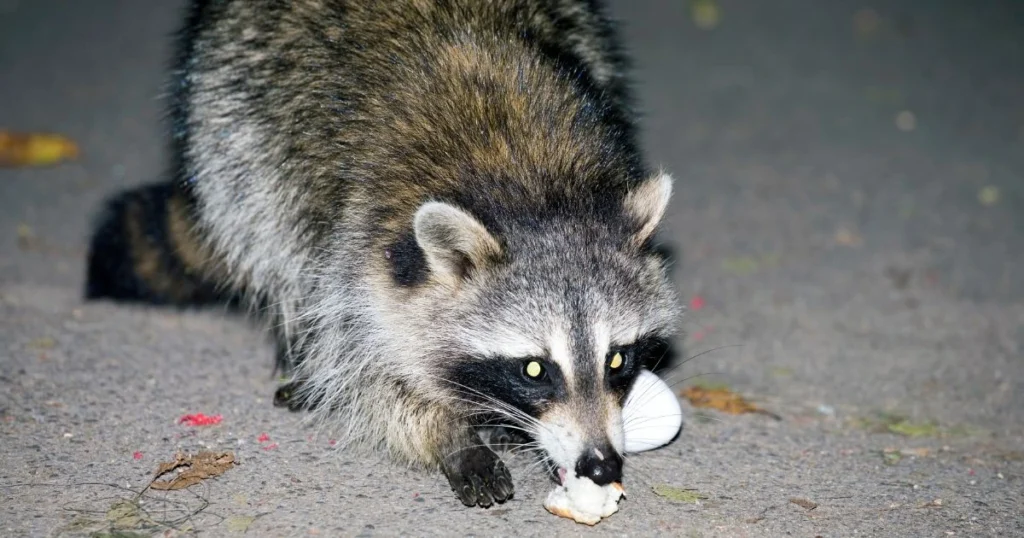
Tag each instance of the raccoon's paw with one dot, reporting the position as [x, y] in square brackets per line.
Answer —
[502, 439]
[479, 477]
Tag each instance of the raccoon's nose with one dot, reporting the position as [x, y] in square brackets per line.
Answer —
[602, 465]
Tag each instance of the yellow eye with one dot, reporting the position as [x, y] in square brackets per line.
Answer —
[534, 369]
[616, 361]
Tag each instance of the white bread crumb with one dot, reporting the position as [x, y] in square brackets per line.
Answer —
[583, 501]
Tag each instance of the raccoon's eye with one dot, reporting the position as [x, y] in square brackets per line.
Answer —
[616, 361]
[534, 370]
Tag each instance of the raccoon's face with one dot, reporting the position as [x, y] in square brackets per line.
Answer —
[550, 324]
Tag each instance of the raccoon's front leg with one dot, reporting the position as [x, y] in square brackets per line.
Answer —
[476, 473]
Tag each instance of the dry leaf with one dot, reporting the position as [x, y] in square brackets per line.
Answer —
[723, 400]
[910, 429]
[905, 121]
[804, 503]
[705, 14]
[41, 344]
[848, 238]
[192, 469]
[678, 494]
[34, 149]
[988, 195]
[26, 237]
[239, 523]
[124, 514]
[866, 22]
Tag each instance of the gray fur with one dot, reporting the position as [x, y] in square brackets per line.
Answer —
[409, 182]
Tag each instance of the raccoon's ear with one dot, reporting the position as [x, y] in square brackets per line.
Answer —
[454, 242]
[646, 205]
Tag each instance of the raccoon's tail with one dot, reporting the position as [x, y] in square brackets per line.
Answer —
[146, 248]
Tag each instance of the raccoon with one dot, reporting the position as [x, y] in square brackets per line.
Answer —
[439, 208]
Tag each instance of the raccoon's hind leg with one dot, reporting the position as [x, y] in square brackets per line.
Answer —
[290, 394]
[146, 248]
[290, 354]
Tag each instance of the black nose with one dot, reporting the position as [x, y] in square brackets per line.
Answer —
[602, 465]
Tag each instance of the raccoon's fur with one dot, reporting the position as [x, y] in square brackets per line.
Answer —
[440, 207]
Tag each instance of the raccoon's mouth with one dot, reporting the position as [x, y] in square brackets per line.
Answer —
[557, 472]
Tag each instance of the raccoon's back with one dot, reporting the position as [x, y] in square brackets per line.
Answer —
[296, 121]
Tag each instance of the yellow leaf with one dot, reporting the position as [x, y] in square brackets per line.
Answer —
[678, 494]
[239, 523]
[34, 149]
[988, 195]
[705, 14]
[848, 238]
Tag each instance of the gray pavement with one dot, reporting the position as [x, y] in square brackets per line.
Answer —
[829, 162]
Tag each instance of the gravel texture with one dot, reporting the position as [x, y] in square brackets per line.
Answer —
[849, 210]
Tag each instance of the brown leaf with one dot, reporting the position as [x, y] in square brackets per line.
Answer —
[192, 469]
[723, 400]
[804, 503]
[848, 238]
[34, 149]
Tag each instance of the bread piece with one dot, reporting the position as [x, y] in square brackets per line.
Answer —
[583, 501]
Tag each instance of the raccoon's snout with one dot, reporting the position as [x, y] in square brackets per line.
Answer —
[602, 465]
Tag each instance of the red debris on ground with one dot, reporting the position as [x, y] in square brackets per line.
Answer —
[332, 442]
[263, 438]
[701, 334]
[696, 303]
[200, 419]
[271, 446]
[137, 455]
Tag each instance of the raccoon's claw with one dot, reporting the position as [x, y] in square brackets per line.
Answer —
[286, 396]
[479, 477]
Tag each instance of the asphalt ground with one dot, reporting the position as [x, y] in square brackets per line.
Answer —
[848, 226]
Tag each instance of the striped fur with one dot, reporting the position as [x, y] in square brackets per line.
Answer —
[420, 195]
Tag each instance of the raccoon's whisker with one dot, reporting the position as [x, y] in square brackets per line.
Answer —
[510, 411]
[658, 362]
[635, 421]
[686, 360]
[675, 383]
[510, 427]
[467, 447]
[526, 449]
[705, 352]
[486, 445]
[482, 409]
[647, 390]
[500, 407]
[476, 410]
[487, 411]
[542, 461]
